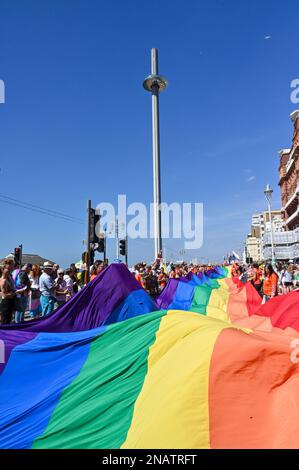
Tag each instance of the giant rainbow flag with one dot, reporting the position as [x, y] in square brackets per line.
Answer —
[208, 366]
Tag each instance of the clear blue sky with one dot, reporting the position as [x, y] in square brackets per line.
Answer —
[77, 123]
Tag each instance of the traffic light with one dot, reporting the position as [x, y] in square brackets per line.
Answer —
[18, 256]
[123, 247]
[101, 245]
[94, 218]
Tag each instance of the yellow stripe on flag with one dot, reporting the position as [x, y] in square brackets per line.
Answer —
[172, 410]
[218, 303]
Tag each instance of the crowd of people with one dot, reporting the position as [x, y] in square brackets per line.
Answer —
[153, 278]
[36, 290]
[269, 280]
[39, 290]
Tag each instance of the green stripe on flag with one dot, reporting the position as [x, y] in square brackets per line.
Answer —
[96, 410]
[201, 297]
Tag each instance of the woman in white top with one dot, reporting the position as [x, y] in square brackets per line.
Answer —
[34, 301]
[287, 280]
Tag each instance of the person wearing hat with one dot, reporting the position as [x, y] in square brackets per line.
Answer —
[47, 286]
[61, 288]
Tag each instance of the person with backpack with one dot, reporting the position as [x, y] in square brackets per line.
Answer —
[23, 287]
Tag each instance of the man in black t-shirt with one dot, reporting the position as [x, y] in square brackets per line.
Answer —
[23, 285]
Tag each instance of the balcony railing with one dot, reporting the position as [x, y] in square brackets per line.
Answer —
[292, 198]
[292, 217]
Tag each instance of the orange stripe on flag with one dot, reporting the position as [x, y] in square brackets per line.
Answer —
[253, 391]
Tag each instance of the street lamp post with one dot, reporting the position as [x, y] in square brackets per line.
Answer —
[245, 251]
[268, 193]
[155, 84]
[87, 243]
